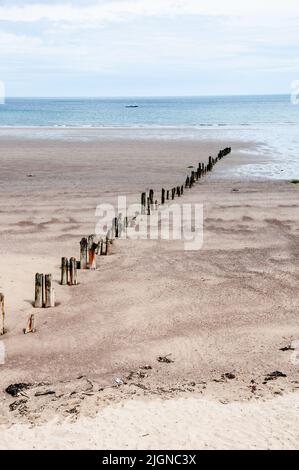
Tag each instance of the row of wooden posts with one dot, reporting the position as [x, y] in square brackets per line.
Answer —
[91, 247]
[148, 203]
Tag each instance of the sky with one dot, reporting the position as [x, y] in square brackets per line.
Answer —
[148, 47]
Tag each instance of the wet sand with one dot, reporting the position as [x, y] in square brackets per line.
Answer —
[228, 308]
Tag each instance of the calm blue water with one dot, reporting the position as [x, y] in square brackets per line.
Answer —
[177, 112]
[271, 121]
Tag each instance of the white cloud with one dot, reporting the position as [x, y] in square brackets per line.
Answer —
[178, 39]
[11, 43]
[116, 10]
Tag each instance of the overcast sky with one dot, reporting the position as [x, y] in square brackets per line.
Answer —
[148, 47]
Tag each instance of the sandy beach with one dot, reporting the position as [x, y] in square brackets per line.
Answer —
[226, 315]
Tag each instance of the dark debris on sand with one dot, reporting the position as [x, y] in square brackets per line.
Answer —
[15, 389]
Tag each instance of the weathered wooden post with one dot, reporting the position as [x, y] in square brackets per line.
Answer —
[30, 327]
[163, 196]
[92, 256]
[182, 189]
[108, 242]
[148, 206]
[125, 225]
[99, 247]
[199, 171]
[151, 196]
[39, 291]
[120, 225]
[210, 164]
[143, 203]
[90, 242]
[115, 227]
[173, 193]
[187, 184]
[73, 272]
[103, 246]
[64, 271]
[49, 292]
[2, 313]
[83, 253]
[178, 191]
[167, 195]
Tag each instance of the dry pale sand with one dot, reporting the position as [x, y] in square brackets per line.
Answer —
[178, 423]
[227, 308]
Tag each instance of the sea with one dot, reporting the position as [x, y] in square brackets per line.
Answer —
[271, 122]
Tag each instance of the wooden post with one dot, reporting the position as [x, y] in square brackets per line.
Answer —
[163, 196]
[210, 165]
[103, 247]
[167, 195]
[182, 189]
[92, 256]
[151, 196]
[178, 191]
[172, 193]
[187, 184]
[73, 272]
[193, 177]
[2, 313]
[83, 253]
[148, 206]
[90, 242]
[143, 203]
[124, 226]
[199, 171]
[49, 292]
[120, 225]
[64, 271]
[30, 327]
[99, 247]
[115, 227]
[92, 247]
[108, 243]
[39, 288]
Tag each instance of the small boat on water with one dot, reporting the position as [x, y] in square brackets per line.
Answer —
[132, 106]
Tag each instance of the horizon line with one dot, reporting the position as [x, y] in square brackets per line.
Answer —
[144, 96]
